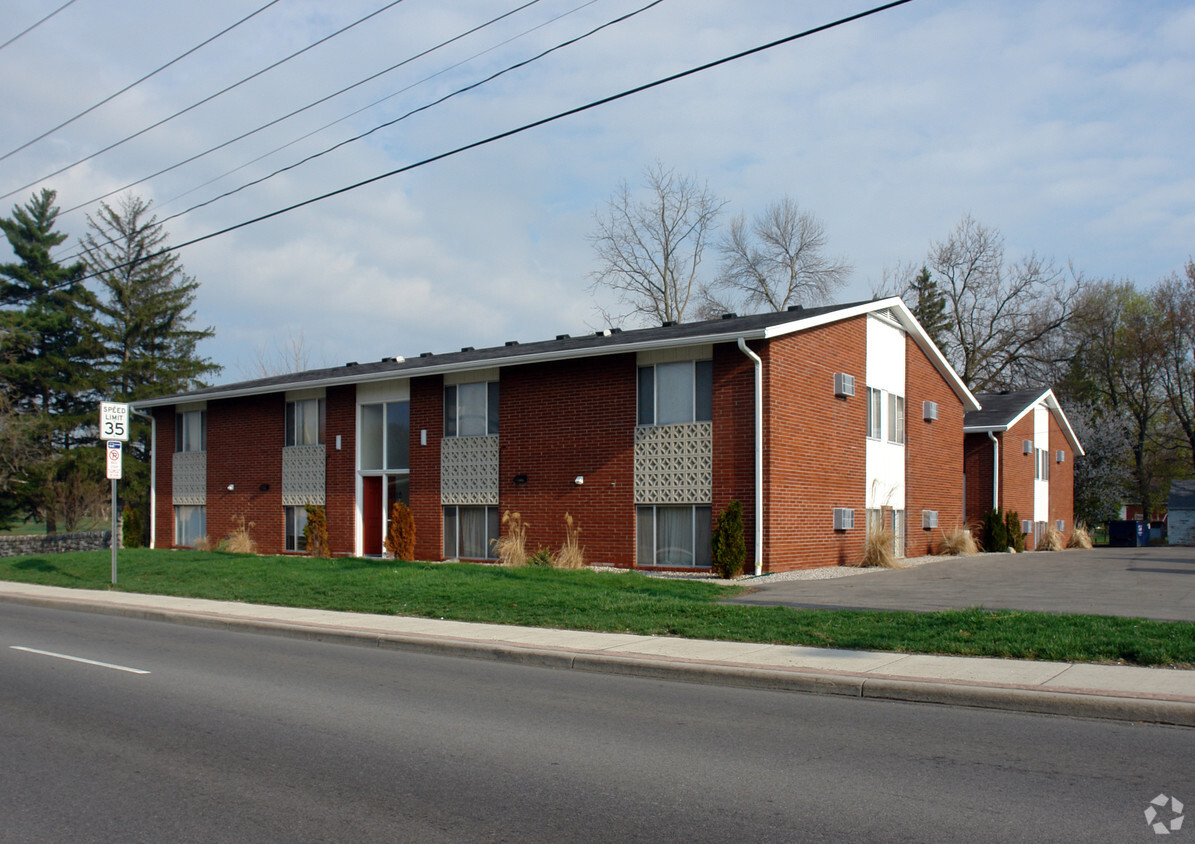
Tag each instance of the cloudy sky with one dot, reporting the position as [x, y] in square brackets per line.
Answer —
[1065, 124]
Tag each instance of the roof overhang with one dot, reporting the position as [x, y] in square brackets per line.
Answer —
[1047, 398]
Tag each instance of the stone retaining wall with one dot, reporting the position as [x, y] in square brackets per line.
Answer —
[55, 543]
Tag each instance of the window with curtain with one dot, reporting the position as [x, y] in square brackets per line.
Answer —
[676, 393]
[305, 422]
[677, 537]
[190, 431]
[469, 532]
[896, 418]
[296, 521]
[190, 524]
[471, 410]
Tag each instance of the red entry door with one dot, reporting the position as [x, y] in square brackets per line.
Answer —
[371, 516]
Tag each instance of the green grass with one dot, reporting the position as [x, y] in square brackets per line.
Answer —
[589, 600]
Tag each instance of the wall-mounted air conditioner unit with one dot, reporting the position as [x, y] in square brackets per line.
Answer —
[1060, 525]
[1060, 456]
[1026, 446]
[844, 385]
[1026, 525]
[929, 519]
[844, 518]
[929, 410]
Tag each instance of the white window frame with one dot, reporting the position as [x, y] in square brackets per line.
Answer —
[896, 419]
[385, 410]
[701, 392]
[294, 519]
[647, 518]
[875, 403]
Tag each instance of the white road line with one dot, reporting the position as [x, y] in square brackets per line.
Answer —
[79, 659]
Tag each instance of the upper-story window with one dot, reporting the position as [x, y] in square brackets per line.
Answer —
[874, 398]
[1042, 464]
[675, 393]
[893, 421]
[471, 410]
[386, 435]
[896, 418]
[305, 422]
[190, 431]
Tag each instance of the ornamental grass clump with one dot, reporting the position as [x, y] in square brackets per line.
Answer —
[239, 541]
[959, 542]
[1051, 541]
[511, 547]
[572, 555]
[1080, 537]
[880, 549]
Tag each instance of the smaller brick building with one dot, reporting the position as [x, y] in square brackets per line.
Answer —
[1019, 455]
[822, 422]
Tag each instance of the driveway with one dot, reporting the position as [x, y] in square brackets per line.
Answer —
[1154, 583]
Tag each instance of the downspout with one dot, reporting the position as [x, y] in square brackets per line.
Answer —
[995, 471]
[153, 474]
[758, 454]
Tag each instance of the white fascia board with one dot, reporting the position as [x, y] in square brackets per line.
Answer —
[480, 363]
[907, 321]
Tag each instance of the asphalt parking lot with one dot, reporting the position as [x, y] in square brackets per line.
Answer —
[1156, 582]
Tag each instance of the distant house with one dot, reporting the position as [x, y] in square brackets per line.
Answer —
[824, 423]
[1181, 513]
[1019, 453]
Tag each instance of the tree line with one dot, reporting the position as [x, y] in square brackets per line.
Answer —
[1120, 358]
[114, 324]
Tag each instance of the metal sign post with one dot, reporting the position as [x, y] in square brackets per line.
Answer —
[114, 429]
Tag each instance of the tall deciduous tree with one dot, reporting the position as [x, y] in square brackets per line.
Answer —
[777, 260]
[1175, 303]
[650, 249]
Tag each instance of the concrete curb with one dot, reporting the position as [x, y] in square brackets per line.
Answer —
[1066, 702]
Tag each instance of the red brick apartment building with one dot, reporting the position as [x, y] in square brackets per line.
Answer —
[1027, 435]
[820, 421]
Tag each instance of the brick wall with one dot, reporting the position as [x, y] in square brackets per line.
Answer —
[164, 483]
[245, 437]
[340, 479]
[564, 419]
[427, 414]
[1062, 480]
[933, 453]
[977, 463]
[815, 457]
[1017, 469]
[734, 438]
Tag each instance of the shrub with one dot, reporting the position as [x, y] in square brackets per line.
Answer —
[958, 542]
[1080, 538]
[1051, 541]
[238, 540]
[315, 532]
[995, 532]
[512, 546]
[1012, 524]
[203, 543]
[727, 546]
[400, 538]
[572, 555]
[541, 558]
[879, 549]
[132, 528]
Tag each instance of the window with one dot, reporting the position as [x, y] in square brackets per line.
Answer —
[673, 536]
[190, 524]
[873, 413]
[305, 422]
[190, 431]
[296, 521]
[469, 532]
[386, 436]
[676, 393]
[1042, 465]
[896, 418]
[471, 410]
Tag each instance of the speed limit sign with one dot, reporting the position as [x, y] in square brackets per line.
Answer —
[114, 462]
[114, 421]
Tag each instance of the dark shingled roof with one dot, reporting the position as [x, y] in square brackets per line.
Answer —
[999, 409]
[1182, 495]
[610, 341]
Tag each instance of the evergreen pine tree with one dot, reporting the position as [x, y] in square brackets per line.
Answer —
[929, 306]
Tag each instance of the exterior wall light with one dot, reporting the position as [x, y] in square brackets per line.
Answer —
[580, 479]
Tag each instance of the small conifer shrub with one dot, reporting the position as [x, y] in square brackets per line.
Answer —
[728, 547]
[316, 531]
[400, 539]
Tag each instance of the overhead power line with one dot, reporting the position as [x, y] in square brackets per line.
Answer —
[132, 85]
[508, 133]
[32, 27]
[307, 107]
[206, 99]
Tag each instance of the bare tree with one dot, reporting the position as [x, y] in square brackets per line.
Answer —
[287, 355]
[1175, 302]
[776, 261]
[1004, 319]
[650, 250]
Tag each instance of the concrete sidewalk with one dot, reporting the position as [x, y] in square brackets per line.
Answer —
[1127, 693]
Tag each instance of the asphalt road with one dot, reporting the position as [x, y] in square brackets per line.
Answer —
[1154, 583]
[243, 737]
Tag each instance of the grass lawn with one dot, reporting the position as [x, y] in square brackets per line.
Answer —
[590, 600]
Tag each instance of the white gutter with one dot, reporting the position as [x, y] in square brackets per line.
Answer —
[995, 471]
[758, 453]
[153, 474]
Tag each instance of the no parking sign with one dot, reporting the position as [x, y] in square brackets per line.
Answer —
[114, 462]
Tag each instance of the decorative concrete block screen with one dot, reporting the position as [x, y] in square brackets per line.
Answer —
[303, 475]
[469, 470]
[189, 478]
[674, 464]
